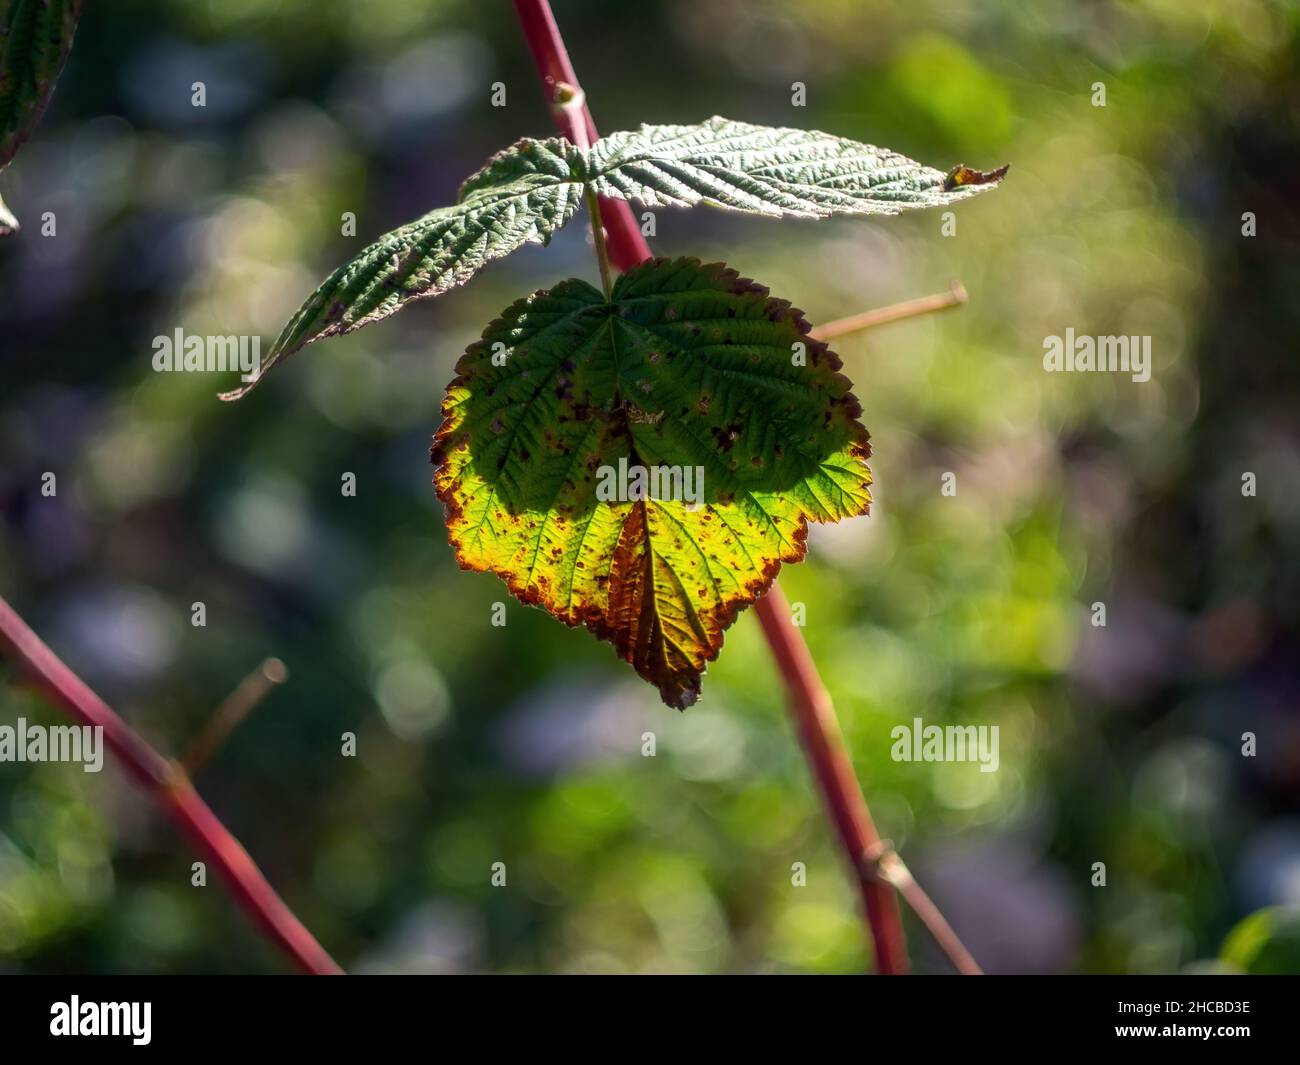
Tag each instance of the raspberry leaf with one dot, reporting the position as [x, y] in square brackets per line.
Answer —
[521, 196]
[527, 192]
[771, 171]
[687, 367]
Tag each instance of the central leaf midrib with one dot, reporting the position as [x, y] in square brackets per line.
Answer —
[635, 459]
[616, 399]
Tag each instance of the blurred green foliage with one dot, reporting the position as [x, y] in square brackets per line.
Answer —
[1266, 943]
[523, 744]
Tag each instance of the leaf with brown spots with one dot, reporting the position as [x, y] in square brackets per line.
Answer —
[687, 367]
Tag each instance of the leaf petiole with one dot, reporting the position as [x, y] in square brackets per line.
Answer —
[569, 103]
[598, 236]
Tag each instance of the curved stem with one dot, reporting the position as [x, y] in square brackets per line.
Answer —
[819, 731]
[170, 787]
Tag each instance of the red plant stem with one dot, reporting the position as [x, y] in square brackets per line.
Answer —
[812, 708]
[824, 743]
[626, 246]
[171, 789]
[892, 869]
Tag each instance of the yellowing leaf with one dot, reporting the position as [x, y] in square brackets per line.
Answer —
[687, 368]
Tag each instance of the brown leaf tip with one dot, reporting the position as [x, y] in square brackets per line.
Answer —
[961, 175]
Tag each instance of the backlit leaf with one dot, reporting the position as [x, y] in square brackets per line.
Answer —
[522, 196]
[685, 366]
[530, 190]
[770, 170]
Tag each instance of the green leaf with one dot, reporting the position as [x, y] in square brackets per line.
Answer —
[524, 194]
[521, 196]
[686, 366]
[770, 171]
[35, 36]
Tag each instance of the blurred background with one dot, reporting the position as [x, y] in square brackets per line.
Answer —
[523, 744]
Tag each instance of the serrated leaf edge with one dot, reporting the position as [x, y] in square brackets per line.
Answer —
[590, 617]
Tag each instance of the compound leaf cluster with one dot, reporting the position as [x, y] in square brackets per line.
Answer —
[528, 191]
[639, 463]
